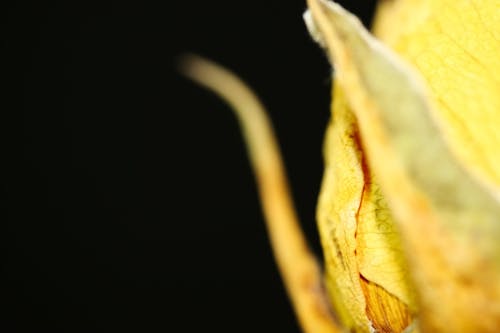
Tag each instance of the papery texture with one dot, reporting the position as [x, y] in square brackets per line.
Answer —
[448, 220]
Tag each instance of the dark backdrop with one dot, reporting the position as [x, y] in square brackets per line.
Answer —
[129, 202]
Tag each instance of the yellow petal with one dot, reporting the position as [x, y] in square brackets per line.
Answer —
[338, 204]
[366, 272]
[455, 45]
[449, 222]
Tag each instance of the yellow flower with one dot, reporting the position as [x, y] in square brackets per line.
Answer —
[409, 211]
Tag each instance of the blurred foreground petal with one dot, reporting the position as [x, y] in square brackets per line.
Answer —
[299, 268]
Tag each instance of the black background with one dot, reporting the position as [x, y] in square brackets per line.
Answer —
[129, 202]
